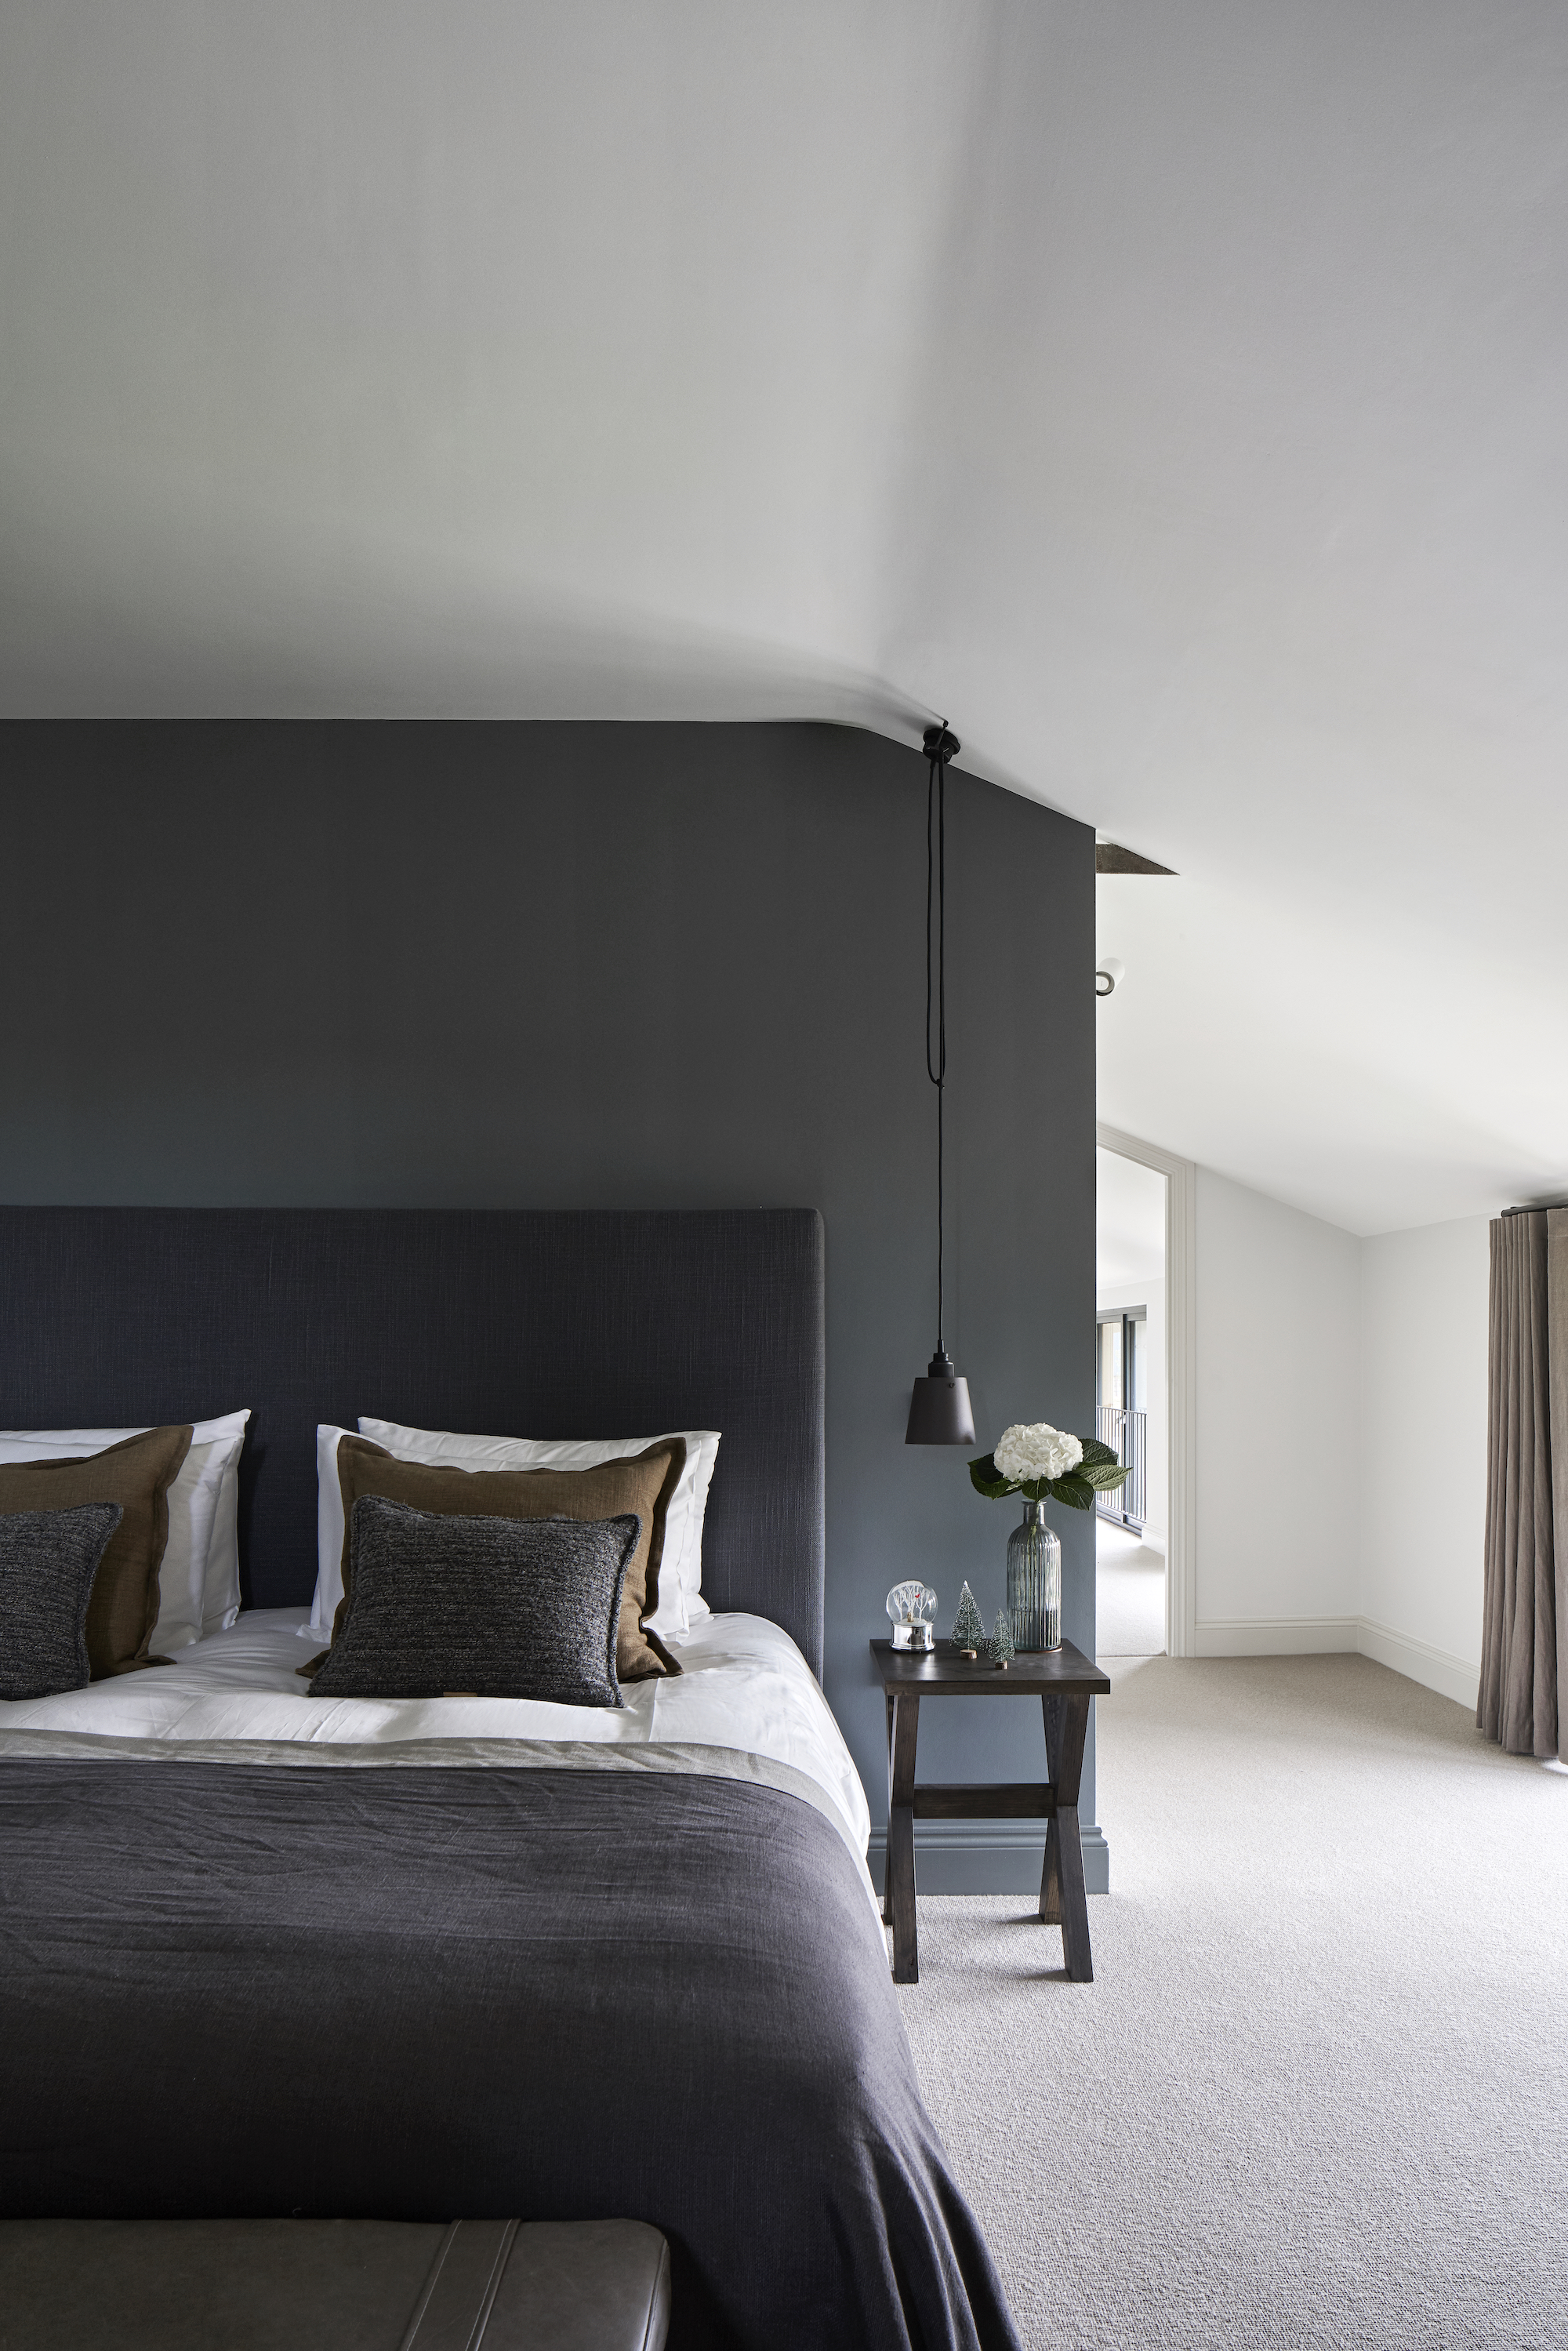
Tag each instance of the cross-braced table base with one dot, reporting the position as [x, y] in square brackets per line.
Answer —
[1064, 1680]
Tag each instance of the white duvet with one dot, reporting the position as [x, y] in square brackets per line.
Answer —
[742, 1687]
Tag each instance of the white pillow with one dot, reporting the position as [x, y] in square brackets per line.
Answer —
[680, 1593]
[198, 1577]
[329, 1530]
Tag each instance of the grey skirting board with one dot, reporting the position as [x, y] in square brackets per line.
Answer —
[987, 1857]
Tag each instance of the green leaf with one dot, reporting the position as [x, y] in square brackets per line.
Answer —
[1075, 1491]
[986, 1479]
[1100, 1470]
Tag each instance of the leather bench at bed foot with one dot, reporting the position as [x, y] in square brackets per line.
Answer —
[333, 2285]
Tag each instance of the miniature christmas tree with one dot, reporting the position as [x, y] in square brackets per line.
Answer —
[968, 1624]
[1001, 1645]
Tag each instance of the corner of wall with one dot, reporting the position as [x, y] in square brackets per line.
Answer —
[1422, 1409]
[1386, 1374]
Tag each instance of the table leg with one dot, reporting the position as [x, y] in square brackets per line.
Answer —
[887, 1865]
[1062, 1899]
[901, 1839]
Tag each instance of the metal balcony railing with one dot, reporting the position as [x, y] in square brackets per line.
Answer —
[1126, 1433]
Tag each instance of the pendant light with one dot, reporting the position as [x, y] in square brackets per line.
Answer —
[939, 1410]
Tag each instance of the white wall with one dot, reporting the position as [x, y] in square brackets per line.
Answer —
[1278, 1419]
[1423, 1432]
[1340, 1453]
[1150, 1294]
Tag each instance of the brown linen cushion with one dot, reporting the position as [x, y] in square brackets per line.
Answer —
[641, 1484]
[137, 1473]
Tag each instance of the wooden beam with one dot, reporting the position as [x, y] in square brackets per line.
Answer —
[993, 1800]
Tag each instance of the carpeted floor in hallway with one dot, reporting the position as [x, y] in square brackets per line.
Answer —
[1318, 2094]
[1129, 1594]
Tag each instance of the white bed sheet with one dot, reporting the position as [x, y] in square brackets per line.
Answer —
[743, 1685]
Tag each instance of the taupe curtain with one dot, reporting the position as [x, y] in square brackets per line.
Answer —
[1524, 1636]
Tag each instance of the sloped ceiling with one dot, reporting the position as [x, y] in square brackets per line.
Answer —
[1130, 1221]
[1174, 398]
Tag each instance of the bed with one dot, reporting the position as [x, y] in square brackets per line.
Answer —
[269, 1954]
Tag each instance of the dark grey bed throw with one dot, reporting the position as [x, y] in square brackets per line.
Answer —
[417, 1994]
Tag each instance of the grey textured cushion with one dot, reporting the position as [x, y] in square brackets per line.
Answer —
[47, 1562]
[495, 1607]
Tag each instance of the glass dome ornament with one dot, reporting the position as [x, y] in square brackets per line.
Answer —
[911, 1607]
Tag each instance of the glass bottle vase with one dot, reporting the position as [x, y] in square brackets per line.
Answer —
[1034, 1581]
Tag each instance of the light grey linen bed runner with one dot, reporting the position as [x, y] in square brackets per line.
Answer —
[656, 1757]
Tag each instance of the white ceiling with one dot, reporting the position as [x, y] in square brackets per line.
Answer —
[1173, 398]
[1130, 1221]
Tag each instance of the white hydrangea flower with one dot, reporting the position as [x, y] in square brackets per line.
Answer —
[1034, 1449]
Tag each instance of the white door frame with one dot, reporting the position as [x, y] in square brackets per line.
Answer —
[1181, 1383]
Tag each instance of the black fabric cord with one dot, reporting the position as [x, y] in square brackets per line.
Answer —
[937, 802]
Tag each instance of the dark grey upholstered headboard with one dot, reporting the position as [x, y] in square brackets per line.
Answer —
[507, 1323]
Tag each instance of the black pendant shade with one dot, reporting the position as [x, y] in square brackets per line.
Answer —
[939, 1410]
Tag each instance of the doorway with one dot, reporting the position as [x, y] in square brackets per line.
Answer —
[1131, 1406]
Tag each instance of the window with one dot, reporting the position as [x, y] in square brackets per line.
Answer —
[1122, 1398]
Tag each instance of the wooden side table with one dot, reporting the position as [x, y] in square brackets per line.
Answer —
[1064, 1680]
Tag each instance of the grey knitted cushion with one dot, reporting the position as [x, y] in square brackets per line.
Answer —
[497, 1607]
[47, 1562]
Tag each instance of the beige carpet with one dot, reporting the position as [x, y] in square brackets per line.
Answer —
[1129, 1594]
[1319, 2093]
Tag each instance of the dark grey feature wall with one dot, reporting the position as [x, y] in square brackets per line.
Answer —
[588, 965]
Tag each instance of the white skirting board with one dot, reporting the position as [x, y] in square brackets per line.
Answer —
[1297, 1636]
[987, 1857]
[1275, 1636]
[1434, 1670]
